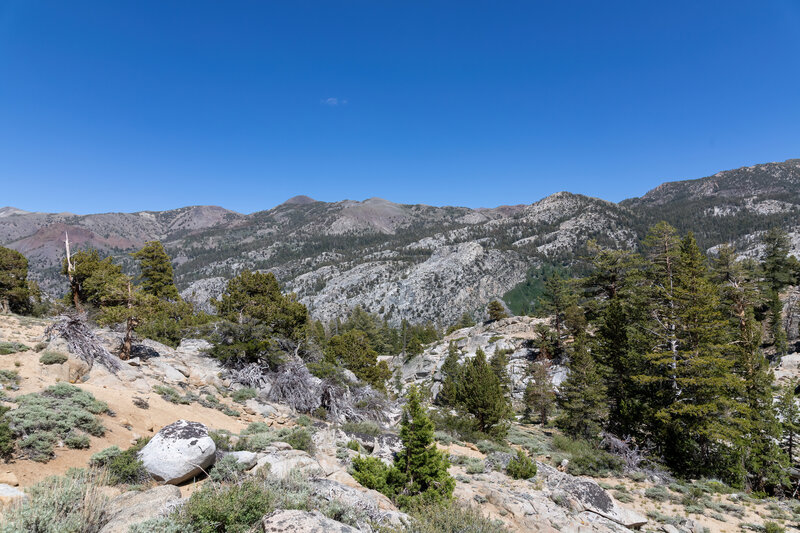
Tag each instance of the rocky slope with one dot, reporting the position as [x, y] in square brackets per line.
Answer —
[553, 500]
[415, 262]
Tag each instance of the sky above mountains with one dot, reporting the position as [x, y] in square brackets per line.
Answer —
[125, 106]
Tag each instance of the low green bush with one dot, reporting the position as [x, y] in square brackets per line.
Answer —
[372, 473]
[452, 518]
[162, 524]
[657, 493]
[366, 428]
[123, 467]
[354, 445]
[521, 467]
[584, 458]
[172, 395]
[475, 465]
[52, 358]
[489, 446]
[242, 395]
[258, 436]
[58, 412]
[227, 508]
[7, 348]
[9, 377]
[7, 441]
[222, 439]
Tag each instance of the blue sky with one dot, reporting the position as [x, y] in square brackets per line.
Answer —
[123, 106]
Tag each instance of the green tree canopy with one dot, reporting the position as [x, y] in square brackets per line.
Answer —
[156, 276]
[14, 288]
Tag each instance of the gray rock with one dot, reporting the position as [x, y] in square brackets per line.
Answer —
[360, 500]
[281, 462]
[248, 459]
[180, 451]
[498, 460]
[133, 507]
[302, 521]
[9, 493]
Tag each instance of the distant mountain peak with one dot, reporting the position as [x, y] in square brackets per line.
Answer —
[8, 211]
[300, 199]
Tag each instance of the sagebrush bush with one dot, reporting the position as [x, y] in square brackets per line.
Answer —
[9, 377]
[59, 412]
[586, 459]
[123, 467]
[242, 395]
[163, 524]
[63, 504]
[7, 441]
[227, 469]
[172, 395]
[7, 348]
[452, 518]
[258, 436]
[222, 439]
[521, 467]
[229, 508]
[366, 428]
[52, 358]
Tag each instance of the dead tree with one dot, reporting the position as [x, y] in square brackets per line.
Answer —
[73, 283]
[82, 342]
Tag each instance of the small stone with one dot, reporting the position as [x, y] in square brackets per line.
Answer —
[9, 478]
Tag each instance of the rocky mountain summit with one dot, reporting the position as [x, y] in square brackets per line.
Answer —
[413, 262]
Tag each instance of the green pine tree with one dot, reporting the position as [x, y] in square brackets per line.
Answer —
[789, 412]
[421, 467]
[451, 374]
[582, 396]
[496, 311]
[540, 396]
[15, 292]
[352, 350]
[156, 276]
[481, 394]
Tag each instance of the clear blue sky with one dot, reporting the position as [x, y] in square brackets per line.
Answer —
[122, 106]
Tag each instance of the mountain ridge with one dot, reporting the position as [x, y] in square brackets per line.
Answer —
[410, 261]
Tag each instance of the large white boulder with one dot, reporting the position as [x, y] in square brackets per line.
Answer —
[180, 451]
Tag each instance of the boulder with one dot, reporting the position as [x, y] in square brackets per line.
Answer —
[281, 462]
[302, 521]
[180, 451]
[10, 494]
[248, 459]
[498, 460]
[133, 507]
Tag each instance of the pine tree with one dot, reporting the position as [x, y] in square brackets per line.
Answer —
[422, 468]
[156, 276]
[779, 270]
[499, 364]
[789, 412]
[540, 395]
[258, 296]
[352, 350]
[582, 396]
[703, 419]
[619, 363]
[557, 298]
[451, 374]
[100, 282]
[15, 293]
[481, 394]
[496, 311]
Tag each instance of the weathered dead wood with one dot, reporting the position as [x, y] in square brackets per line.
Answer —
[73, 328]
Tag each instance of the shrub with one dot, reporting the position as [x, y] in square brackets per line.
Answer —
[300, 439]
[372, 473]
[52, 358]
[475, 466]
[303, 420]
[366, 428]
[521, 467]
[242, 395]
[6, 435]
[229, 508]
[450, 519]
[7, 348]
[122, 467]
[222, 439]
[172, 395]
[77, 441]
[227, 469]
[772, 527]
[657, 493]
[64, 504]
[354, 445]
[585, 459]
[56, 413]
[164, 524]
[489, 446]
[10, 377]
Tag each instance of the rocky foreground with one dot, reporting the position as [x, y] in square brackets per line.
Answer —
[185, 402]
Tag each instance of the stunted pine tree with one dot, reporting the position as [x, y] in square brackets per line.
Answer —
[15, 294]
[156, 278]
[496, 311]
